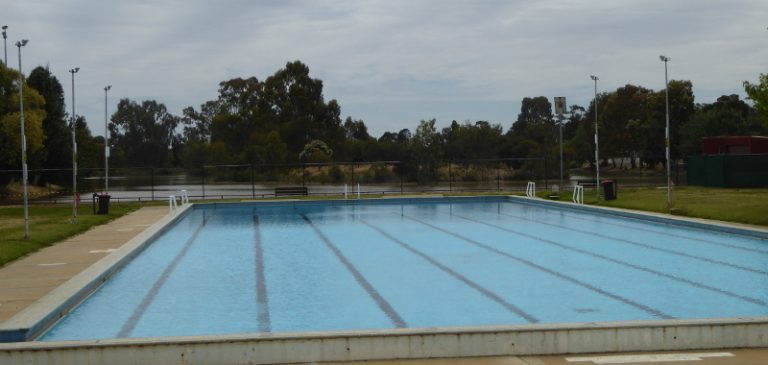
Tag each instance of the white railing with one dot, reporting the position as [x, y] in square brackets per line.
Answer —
[358, 191]
[530, 190]
[184, 196]
[578, 194]
[172, 205]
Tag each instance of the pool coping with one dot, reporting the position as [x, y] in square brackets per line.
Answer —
[549, 338]
[40, 315]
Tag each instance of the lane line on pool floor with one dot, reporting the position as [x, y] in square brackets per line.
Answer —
[484, 291]
[702, 240]
[387, 308]
[623, 263]
[644, 245]
[135, 317]
[262, 300]
[627, 301]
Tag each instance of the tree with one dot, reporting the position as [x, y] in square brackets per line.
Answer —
[726, 116]
[316, 151]
[758, 93]
[295, 104]
[10, 121]
[143, 133]
[57, 148]
[427, 150]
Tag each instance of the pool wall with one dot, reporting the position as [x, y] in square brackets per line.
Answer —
[410, 343]
[36, 318]
[540, 339]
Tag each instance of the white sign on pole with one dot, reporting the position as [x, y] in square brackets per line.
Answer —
[560, 105]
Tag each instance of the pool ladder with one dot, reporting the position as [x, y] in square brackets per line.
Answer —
[578, 194]
[530, 190]
[172, 202]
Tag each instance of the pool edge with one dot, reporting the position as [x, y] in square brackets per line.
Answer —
[417, 343]
[43, 313]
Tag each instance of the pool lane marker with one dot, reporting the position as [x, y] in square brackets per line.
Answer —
[380, 301]
[624, 263]
[630, 302]
[644, 245]
[262, 300]
[134, 319]
[484, 291]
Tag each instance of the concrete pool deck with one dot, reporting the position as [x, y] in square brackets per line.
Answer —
[29, 279]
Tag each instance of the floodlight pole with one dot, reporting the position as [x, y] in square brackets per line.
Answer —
[561, 153]
[5, 46]
[597, 144]
[74, 149]
[666, 59]
[106, 142]
[24, 174]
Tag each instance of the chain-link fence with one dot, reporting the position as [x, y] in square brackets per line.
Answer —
[369, 178]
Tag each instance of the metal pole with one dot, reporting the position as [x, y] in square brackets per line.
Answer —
[665, 59]
[253, 184]
[106, 142]
[5, 48]
[74, 150]
[24, 175]
[561, 153]
[597, 144]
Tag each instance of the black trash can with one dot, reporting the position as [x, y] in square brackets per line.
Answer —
[609, 189]
[103, 203]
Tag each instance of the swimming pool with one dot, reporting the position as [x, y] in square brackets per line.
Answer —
[298, 267]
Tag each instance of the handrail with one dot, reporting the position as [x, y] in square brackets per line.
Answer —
[172, 205]
[578, 194]
[184, 196]
[530, 190]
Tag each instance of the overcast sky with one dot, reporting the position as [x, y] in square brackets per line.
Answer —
[390, 62]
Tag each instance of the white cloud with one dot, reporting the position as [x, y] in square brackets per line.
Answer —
[392, 62]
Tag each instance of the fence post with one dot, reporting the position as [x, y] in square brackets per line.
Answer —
[450, 177]
[498, 176]
[253, 184]
[303, 173]
[152, 182]
[401, 177]
[203, 180]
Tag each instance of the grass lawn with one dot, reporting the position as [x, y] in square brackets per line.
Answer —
[748, 206]
[48, 224]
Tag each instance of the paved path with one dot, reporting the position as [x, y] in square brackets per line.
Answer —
[30, 278]
[26, 280]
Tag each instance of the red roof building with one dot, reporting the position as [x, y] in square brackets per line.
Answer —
[734, 145]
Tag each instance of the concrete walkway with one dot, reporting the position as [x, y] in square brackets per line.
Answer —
[26, 280]
[30, 278]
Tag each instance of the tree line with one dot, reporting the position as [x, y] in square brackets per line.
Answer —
[285, 119]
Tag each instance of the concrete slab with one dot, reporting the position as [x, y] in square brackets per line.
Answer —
[28, 279]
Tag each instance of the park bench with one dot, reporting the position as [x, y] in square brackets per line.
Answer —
[291, 191]
[586, 183]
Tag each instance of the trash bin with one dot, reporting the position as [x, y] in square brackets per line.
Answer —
[609, 189]
[103, 203]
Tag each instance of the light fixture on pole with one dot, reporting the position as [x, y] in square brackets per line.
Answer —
[666, 59]
[74, 149]
[24, 173]
[106, 142]
[597, 143]
[5, 46]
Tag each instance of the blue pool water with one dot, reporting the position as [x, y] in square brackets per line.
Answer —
[298, 267]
